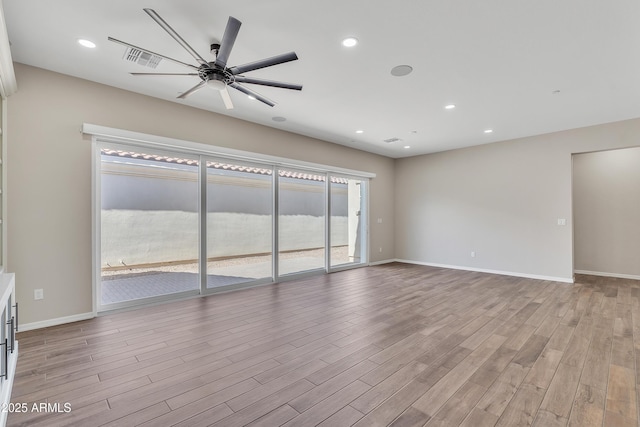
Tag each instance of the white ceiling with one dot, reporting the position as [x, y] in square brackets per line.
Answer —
[498, 61]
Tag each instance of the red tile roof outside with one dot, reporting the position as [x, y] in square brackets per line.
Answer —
[218, 165]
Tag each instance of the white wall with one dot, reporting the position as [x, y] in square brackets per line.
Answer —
[49, 176]
[140, 237]
[500, 200]
[606, 202]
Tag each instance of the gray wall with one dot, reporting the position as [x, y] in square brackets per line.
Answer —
[141, 237]
[142, 200]
[139, 184]
[606, 202]
[501, 200]
[49, 164]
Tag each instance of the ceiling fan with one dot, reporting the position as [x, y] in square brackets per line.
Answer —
[216, 74]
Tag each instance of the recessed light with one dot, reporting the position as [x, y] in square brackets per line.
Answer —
[350, 42]
[278, 119]
[359, 131]
[449, 106]
[407, 146]
[87, 43]
[488, 131]
[401, 70]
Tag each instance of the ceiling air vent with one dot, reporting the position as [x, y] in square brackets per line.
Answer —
[390, 140]
[141, 57]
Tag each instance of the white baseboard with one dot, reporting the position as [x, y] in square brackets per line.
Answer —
[484, 270]
[384, 261]
[600, 273]
[56, 321]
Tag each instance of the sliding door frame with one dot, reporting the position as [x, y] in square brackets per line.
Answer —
[303, 273]
[109, 137]
[97, 229]
[364, 215]
[204, 226]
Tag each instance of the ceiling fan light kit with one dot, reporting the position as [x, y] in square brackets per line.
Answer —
[215, 74]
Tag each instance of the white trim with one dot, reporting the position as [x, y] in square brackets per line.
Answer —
[3, 196]
[96, 222]
[484, 270]
[202, 225]
[115, 135]
[56, 321]
[275, 224]
[327, 222]
[8, 84]
[367, 224]
[7, 289]
[5, 398]
[603, 274]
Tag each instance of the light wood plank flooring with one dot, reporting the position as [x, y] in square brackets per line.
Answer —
[396, 344]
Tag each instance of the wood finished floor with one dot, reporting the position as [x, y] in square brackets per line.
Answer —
[396, 344]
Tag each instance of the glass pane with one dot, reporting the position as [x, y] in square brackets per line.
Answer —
[301, 221]
[239, 223]
[347, 221]
[149, 229]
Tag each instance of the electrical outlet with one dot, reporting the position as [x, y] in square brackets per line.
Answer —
[473, 254]
[38, 294]
[380, 249]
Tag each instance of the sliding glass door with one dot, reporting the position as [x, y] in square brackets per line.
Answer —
[301, 221]
[239, 223]
[173, 224]
[348, 219]
[149, 225]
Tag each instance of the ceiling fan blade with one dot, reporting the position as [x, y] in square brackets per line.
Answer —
[164, 74]
[152, 13]
[263, 63]
[111, 39]
[192, 90]
[242, 79]
[249, 92]
[228, 39]
[224, 93]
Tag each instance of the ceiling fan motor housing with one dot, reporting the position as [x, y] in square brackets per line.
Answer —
[214, 72]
